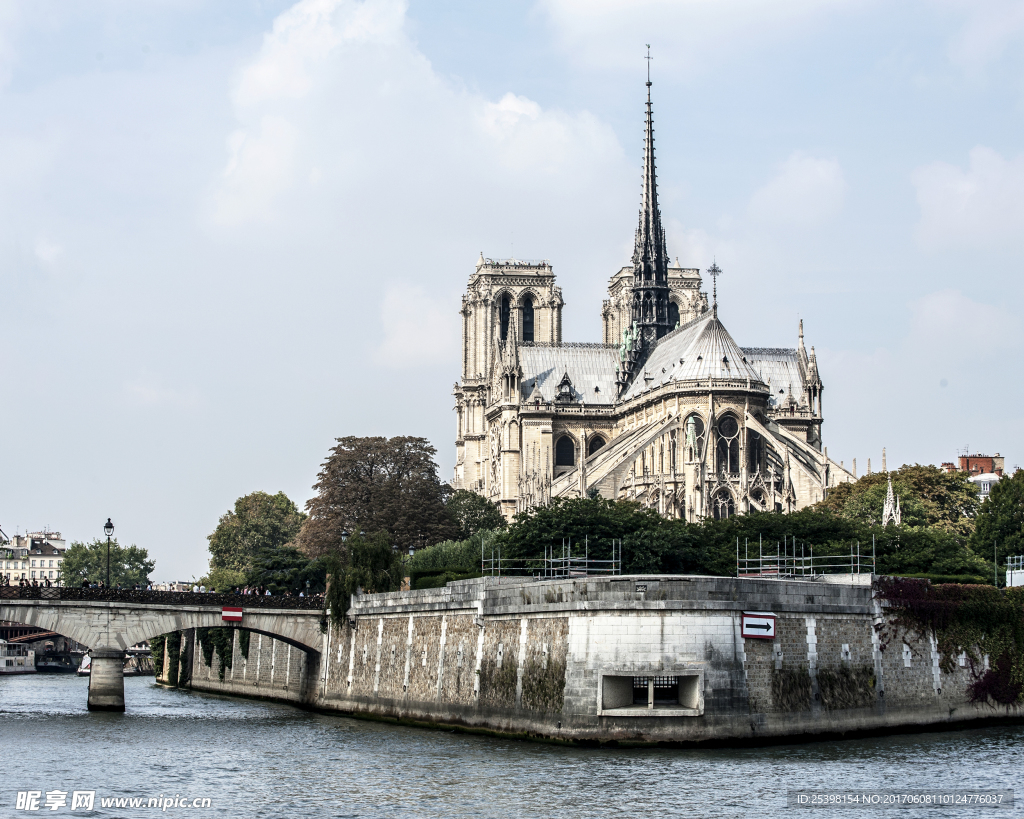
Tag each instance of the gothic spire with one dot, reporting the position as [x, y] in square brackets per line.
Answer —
[650, 256]
[650, 293]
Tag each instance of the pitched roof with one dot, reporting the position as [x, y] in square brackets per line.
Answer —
[779, 369]
[589, 366]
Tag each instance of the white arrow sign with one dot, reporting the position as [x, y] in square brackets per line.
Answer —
[759, 624]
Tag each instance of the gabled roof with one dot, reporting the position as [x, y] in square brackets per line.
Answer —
[778, 368]
[698, 350]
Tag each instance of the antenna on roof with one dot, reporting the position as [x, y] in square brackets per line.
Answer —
[714, 272]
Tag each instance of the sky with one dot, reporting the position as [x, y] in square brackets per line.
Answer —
[233, 232]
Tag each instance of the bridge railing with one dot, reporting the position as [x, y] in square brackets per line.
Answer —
[247, 601]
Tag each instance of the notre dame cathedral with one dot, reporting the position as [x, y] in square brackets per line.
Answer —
[668, 410]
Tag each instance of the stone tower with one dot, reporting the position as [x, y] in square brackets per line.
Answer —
[507, 302]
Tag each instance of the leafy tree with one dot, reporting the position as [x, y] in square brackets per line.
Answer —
[286, 569]
[370, 563]
[473, 513]
[1000, 522]
[589, 524]
[223, 580]
[259, 521]
[129, 565]
[376, 486]
[929, 496]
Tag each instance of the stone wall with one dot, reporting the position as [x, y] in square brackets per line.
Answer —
[546, 658]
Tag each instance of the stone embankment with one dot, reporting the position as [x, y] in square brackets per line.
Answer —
[654, 659]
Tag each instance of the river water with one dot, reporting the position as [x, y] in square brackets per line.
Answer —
[257, 759]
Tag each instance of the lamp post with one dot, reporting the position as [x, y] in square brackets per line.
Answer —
[108, 530]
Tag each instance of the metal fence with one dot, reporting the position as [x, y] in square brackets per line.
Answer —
[1015, 564]
[556, 563]
[794, 561]
[248, 601]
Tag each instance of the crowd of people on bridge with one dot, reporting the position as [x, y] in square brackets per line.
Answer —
[259, 591]
[5, 580]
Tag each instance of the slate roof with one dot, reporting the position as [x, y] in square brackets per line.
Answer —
[698, 350]
[779, 369]
[588, 366]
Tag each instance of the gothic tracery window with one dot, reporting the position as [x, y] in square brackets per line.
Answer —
[722, 505]
[728, 444]
[595, 444]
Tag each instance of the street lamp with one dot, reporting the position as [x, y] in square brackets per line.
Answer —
[108, 530]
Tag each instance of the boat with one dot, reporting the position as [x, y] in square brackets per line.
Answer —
[61, 662]
[83, 669]
[16, 659]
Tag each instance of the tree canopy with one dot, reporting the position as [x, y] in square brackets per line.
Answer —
[129, 565]
[259, 521]
[473, 513]
[374, 486]
[286, 569]
[929, 496]
[1000, 521]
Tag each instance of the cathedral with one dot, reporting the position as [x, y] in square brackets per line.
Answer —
[668, 410]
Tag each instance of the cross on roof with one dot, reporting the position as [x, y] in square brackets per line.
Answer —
[714, 272]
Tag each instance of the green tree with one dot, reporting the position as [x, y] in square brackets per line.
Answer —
[473, 513]
[129, 565]
[1000, 522]
[590, 525]
[929, 496]
[259, 521]
[376, 486]
[286, 569]
[369, 563]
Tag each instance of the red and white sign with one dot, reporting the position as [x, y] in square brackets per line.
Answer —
[232, 614]
[758, 624]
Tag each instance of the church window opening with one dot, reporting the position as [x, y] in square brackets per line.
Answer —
[528, 319]
[694, 438]
[506, 313]
[722, 505]
[755, 453]
[565, 452]
[595, 444]
[673, 314]
[728, 444]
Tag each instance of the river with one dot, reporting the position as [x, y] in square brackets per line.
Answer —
[258, 759]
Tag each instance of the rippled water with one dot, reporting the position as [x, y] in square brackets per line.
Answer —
[255, 759]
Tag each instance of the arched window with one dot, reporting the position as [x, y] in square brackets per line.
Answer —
[694, 443]
[565, 451]
[673, 314]
[728, 444]
[755, 453]
[722, 505]
[506, 313]
[528, 319]
[595, 444]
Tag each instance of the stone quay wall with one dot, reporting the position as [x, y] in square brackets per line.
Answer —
[561, 659]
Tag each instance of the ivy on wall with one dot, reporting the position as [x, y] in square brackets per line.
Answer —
[974, 621]
[243, 642]
[172, 646]
[156, 646]
[219, 639]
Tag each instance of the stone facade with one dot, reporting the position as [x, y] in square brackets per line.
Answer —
[568, 660]
[668, 410]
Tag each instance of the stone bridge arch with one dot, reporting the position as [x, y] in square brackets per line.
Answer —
[109, 628]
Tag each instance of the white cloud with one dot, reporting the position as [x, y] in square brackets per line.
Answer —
[805, 192]
[418, 328]
[972, 207]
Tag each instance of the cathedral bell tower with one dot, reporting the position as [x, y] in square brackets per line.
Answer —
[650, 292]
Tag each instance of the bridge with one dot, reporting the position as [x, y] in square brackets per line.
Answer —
[109, 621]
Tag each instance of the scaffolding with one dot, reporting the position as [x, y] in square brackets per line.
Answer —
[792, 563]
[556, 563]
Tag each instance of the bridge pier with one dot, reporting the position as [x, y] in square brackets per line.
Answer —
[106, 679]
